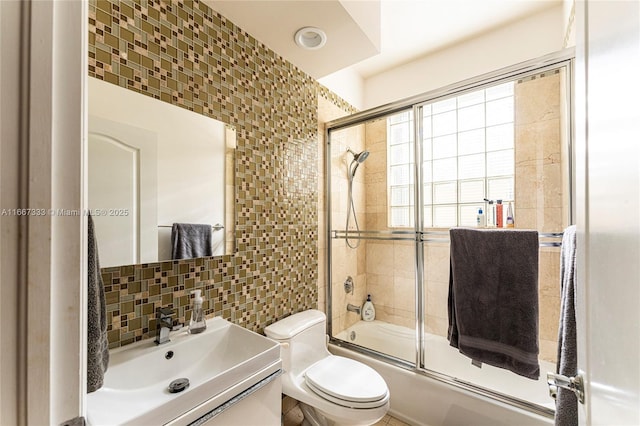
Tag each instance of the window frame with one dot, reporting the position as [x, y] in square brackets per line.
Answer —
[450, 105]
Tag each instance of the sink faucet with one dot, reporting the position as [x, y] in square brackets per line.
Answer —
[353, 308]
[164, 317]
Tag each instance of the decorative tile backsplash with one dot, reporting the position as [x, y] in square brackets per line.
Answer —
[184, 53]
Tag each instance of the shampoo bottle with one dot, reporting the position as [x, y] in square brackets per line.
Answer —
[368, 310]
[197, 324]
[510, 221]
[499, 217]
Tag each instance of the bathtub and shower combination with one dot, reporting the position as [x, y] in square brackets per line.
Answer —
[430, 382]
[449, 393]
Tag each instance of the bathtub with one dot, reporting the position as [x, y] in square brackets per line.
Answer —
[419, 399]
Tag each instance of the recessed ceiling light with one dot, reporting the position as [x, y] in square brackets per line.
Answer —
[310, 38]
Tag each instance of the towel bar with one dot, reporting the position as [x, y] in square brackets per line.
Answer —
[216, 227]
[420, 236]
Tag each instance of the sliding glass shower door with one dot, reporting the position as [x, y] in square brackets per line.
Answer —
[432, 164]
[505, 143]
[369, 256]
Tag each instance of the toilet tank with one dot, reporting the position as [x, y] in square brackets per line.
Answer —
[302, 337]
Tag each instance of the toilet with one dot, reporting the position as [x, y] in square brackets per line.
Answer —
[332, 390]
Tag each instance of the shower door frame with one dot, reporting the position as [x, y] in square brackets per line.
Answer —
[563, 58]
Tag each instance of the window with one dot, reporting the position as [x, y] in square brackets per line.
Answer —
[468, 155]
[401, 173]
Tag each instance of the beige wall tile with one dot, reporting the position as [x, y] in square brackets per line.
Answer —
[548, 351]
[405, 295]
[380, 287]
[537, 140]
[549, 317]
[437, 262]
[436, 325]
[436, 296]
[549, 272]
[380, 258]
[404, 263]
[538, 99]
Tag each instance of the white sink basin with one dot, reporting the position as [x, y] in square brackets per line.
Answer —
[219, 363]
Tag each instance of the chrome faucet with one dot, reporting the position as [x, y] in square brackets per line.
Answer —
[164, 317]
[353, 308]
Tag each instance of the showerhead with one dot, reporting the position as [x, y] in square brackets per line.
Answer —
[360, 156]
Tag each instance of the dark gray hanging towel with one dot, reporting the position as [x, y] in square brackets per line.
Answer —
[566, 401]
[190, 240]
[97, 343]
[493, 298]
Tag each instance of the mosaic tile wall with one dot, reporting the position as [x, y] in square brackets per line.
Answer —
[184, 53]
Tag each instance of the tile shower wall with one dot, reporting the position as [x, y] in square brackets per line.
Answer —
[540, 176]
[390, 267]
[184, 53]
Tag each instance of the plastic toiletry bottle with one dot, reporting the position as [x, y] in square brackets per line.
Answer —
[368, 310]
[480, 219]
[510, 221]
[491, 215]
[197, 324]
[499, 213]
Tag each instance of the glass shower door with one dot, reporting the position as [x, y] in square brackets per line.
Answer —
[397, 183]
[373, 234]
[507, 142]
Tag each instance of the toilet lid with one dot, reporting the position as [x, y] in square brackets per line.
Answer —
[346, 379]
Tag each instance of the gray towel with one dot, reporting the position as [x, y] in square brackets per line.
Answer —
[97, 343]
[493, 298]
[190, 240]
[566, 401]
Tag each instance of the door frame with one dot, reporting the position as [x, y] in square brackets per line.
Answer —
[44, 76]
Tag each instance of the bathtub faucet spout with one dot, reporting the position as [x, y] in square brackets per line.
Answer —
[353, 308]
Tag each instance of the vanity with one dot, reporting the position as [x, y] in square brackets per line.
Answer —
[226, 375]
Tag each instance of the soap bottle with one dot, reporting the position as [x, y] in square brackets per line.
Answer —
[368, 310]
[510, 221]
[481, 221]
[197, 324]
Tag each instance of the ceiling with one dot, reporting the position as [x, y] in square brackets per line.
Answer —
[371, 36]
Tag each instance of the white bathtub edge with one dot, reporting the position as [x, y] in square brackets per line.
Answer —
[422, 401]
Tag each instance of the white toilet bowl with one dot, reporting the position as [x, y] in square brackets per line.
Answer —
[333, 390]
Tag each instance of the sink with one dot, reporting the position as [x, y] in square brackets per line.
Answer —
[219, 363]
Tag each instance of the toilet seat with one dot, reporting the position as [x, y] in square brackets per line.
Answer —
[346, 382]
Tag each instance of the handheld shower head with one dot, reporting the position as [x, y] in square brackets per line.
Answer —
[360, 156]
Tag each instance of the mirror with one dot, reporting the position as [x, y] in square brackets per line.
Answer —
[153, 164]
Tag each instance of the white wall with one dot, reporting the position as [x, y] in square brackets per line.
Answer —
[348, 84]
[568, 20]
[526, 39]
